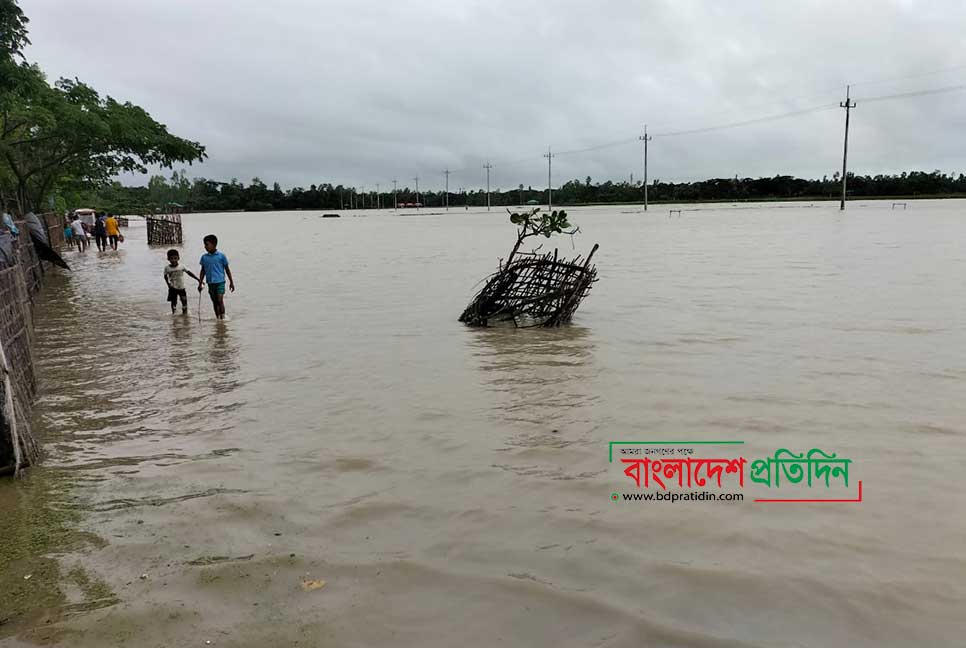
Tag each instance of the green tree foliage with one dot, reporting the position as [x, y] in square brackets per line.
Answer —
[13, 38]
[13, 29]
[66, 136]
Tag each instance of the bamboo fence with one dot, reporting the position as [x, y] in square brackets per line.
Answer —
[20, 278]
[164, 229]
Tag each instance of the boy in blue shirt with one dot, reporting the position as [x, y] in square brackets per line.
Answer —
[214, 268]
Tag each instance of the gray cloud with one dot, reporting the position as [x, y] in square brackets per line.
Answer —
[304, 92]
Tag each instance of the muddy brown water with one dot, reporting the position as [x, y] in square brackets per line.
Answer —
[451, 486]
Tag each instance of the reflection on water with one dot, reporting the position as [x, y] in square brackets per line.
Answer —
[181, 329]
[544, 379]
[222, 356]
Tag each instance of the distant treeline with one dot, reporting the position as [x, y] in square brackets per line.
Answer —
[202, 194]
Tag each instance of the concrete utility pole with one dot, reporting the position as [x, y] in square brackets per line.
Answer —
[416, 180]
[378, 198]
[487, 166]
[848, 105]
[549, 156]
[362, 194]
[645, 138]
[394, 202]
[446, 173]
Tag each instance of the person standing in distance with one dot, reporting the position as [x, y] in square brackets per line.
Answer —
[80, 234]
[113, 230]
[100, 233]
[214, 268]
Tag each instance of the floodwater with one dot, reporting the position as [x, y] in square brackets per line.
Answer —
[451, 486]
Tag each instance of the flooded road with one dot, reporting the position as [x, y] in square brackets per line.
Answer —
[451, 486]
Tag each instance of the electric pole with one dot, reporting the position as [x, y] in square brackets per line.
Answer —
[645, 138]
[848, 105]
[446, 173]
[378, 198]
[394, 202]
[416, 179]
[487, 166]
[549, 156]
[362, 194]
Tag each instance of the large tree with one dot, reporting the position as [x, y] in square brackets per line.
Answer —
[67, 132]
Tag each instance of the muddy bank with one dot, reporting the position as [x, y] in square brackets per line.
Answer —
[38, 529]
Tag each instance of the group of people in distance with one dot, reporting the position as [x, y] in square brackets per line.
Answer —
[214, 268]
[106, 231]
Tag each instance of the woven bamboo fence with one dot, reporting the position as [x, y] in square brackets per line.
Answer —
[533, 290]
[55, 230]
[19, 281]
[164, 229]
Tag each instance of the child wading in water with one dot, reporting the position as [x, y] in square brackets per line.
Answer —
[214, 268]
[174, 277]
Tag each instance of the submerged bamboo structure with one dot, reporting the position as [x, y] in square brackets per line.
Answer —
[164, 229]
[533, 289]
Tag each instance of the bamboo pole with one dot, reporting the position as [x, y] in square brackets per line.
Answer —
[9, 413]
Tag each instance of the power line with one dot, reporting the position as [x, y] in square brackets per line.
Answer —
[748, 122]
[912, 76]
[598, 147]
[811, 97]
[915, 93]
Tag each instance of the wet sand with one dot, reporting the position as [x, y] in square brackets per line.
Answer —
[451, 486]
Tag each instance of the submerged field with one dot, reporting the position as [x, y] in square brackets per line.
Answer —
[450, 485]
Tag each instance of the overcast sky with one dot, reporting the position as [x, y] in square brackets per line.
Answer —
[303, 92]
